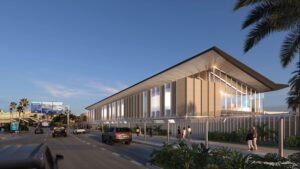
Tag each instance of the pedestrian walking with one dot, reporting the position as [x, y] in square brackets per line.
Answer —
[178, 133]
[254, 138]
[189, 131]
[183, 133]
[137, 131]
[249, 139]
[150, 132]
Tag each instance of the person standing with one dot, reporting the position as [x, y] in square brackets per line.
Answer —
[189, 131]
[254, 138]
[137, 131]
[183, 133]
[249, 139]
[178, 133]
[151, 132]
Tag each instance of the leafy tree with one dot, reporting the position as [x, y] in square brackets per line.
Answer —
[269, 16]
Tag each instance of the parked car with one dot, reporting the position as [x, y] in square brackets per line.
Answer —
[117, 134]
[37, 156]
[59, 131]
[38, 130]
[79, 131]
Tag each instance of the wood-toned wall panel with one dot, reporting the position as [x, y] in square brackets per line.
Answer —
[218, 100]
[162, 101]
[204, 98]
[181, 97]
[197, 93]
[190, 96]
[211, 97]
[173, 98]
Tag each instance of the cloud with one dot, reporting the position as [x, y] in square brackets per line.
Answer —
[60, 90]
[107, 90]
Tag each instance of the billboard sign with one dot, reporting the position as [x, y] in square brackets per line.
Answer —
[48, 107]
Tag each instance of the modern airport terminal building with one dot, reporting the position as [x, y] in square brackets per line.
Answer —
[211, 85]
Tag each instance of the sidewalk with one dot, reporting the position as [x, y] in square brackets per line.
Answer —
[158, 141]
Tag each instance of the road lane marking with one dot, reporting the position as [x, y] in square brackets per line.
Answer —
[103, 149]
[88, 143]
[115, 154]
[136, 163]
[94, 146]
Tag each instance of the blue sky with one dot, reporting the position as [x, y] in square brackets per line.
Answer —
[79, 52]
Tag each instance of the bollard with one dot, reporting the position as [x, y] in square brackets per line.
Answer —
[281, 130]
[206, 133]
[145, 130]
[168, 134]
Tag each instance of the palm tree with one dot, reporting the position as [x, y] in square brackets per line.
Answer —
[12, 107]
[294, 93]
[20, 110]
[269, 16]
[24, 104]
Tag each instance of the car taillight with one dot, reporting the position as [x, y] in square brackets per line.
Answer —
[116, 134]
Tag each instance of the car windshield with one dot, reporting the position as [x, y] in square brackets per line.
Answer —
[123, 130]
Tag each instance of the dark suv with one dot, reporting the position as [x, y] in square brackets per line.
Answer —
[31, 156]
[117, 134]
[59, 131]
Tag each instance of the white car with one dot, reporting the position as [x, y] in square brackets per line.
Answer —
[79, 131]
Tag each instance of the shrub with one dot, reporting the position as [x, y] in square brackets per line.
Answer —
[293, 141]
[183, 156]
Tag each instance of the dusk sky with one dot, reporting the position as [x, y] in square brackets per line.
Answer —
[80, 52]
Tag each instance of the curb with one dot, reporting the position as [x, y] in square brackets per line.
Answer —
[151, 166]
[147, 143]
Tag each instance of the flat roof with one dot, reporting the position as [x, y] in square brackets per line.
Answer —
[200, 62]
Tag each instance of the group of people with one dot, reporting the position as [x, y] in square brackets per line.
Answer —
[251, 139]
[183, 134]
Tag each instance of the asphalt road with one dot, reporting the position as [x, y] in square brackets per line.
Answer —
[87, 151]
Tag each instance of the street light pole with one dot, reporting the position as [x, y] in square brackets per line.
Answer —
[68, 117]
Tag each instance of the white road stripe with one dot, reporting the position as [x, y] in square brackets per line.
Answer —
[94, 146]
[116, 154]
[88, 143]
[136, 163]
[103, 149]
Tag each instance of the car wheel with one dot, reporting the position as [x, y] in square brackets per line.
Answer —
[110, 141]
[127, 142]
[53, 135]
[102, 139]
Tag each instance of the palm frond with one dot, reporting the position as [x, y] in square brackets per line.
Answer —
[290, 46]
[260, 31]
[283, 15]
[243, 3]
[260, 11]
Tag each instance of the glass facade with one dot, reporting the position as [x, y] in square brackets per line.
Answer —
[167, 100]
[236, 96]
[155, 102]
[145, 104]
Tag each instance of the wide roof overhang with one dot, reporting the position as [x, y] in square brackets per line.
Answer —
[198, 63]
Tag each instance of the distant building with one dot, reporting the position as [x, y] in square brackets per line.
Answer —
[48, 107]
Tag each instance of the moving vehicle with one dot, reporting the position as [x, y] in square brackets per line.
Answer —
[117, 134]
[59, 131]
[37, 156]
[38, 130]
[79, 131]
